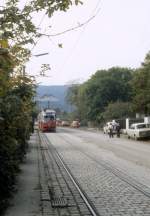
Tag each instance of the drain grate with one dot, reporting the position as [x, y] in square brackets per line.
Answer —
[59, 202]
[45, 196]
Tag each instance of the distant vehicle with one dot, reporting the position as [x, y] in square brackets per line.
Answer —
[58, 122]
[75, 124]
[47, 120]
[138, 130]
[65, 123]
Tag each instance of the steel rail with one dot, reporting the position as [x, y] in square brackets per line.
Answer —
[124, 177]
[78, 187]
[83, 195]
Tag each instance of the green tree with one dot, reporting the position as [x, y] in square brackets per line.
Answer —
[16, 90]
[72, 94]
[75, 97]
[107, 86]
[141, 88]
[117, 110]
[15, 107]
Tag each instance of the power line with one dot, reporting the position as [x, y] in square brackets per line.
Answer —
[96, 11]
[73, 28]
[68, 30]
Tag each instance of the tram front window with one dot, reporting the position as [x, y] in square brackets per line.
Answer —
[49, 117]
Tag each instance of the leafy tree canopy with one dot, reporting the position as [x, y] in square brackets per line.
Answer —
[117, 110]
[141, 87]
[104, 87]
[107, 86]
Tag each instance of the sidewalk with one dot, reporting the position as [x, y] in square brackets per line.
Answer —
[26, 201]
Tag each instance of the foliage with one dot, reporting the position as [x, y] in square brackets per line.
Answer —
[16, 94]
[52, 6]
[17, 108]
[75, 97]
[105, 86]
[72, 94]
[141, 88]
[117, 110]
[113, 93]
[17, 25]
[8, 168]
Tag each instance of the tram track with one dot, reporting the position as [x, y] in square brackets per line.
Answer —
[65, 193]
[145, 190]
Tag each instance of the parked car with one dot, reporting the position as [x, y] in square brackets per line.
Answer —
[65, 123]
[138, 130]
[58, 122]
[75, 124]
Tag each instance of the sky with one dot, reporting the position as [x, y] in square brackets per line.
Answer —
[117, 35]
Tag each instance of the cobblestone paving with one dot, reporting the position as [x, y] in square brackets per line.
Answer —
[138, 166]
[59, 196]
[110, 195]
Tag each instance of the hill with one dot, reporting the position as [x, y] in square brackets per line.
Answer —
[53, 96]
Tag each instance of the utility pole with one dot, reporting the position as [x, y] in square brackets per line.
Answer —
[48, 104]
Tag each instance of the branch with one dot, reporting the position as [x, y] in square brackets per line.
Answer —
[71, 29]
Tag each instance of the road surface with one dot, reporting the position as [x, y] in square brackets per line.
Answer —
[113, 172]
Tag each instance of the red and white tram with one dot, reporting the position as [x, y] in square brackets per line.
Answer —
[47, 120]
